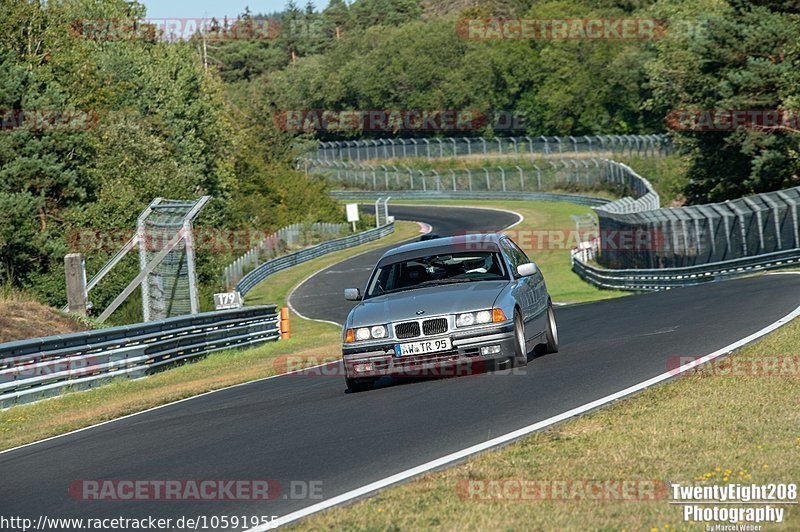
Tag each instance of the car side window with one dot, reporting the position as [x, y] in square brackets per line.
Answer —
[523, 257]
[511, 255]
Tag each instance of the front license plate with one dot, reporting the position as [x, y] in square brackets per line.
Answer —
[420, 348]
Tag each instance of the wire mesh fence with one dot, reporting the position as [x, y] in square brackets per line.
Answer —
[701, 234]
[563, 175]
[170, 287]
[516, 147]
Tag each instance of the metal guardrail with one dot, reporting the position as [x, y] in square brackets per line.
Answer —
[652, 279]
[261, 272]
[31, 370]
[465, 194]
[272, 245]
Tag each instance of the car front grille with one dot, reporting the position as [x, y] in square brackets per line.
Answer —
[408, 329]
[434, 326]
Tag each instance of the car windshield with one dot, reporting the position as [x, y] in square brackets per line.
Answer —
[432, 270]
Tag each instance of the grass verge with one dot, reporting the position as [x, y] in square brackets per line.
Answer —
[702, 429]
[27, 423]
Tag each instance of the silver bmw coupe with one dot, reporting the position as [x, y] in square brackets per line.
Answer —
[445, 306]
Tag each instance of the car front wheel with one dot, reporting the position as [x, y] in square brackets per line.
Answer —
[520, 349]
[552, 330]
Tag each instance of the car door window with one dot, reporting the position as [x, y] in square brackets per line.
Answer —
[511, 254]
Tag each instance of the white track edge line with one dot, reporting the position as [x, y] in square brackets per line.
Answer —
[508, 437]
[193, 396]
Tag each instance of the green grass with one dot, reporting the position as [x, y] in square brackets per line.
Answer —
[317, 341]
[701, 429]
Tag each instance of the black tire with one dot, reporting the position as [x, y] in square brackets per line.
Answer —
[359, 385]
[552, 330]
[520, 349]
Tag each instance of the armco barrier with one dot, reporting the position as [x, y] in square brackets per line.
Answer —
[38, 368]
[645, 280]
[266, 269]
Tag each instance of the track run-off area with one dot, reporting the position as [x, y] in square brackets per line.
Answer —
[304, 430]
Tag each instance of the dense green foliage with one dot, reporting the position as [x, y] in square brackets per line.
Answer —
[162, 126]
[714, 54]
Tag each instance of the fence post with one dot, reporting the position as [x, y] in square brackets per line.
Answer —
[77, 293]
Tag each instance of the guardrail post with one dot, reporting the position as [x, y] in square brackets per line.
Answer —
[503, 177]
[453, 175]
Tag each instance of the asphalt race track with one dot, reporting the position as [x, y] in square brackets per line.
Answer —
[306, 428]
[322, 296]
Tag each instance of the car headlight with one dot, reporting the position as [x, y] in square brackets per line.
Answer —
[375, 332]
[477, 318]
[465, 320]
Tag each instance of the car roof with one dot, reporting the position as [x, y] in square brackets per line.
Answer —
[458, 243]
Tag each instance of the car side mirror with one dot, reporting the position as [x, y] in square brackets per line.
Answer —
[527, 269]
[352, 294]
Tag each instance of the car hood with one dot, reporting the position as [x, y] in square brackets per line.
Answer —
[434, 300]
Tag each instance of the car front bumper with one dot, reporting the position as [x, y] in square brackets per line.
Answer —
[473, 351]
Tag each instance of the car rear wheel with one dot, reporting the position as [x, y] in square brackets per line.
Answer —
[359, 385]
[552, 330]
[520, 349]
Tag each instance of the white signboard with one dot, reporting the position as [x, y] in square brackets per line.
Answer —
[352, 212]
[228, 300]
